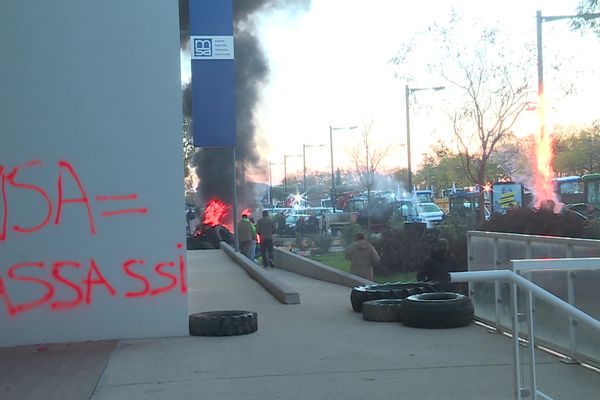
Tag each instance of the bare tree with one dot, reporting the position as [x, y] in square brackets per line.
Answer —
[366, 158]
[489, 81]
[487, 116]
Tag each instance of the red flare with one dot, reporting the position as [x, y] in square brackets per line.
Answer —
[543, 186]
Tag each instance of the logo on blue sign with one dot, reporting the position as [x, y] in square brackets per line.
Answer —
[203, 47]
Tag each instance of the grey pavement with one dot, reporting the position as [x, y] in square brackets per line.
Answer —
[319, 349]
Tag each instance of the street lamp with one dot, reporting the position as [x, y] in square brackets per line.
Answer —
[332, 196]
[270, 194]
[285, 157]
[408, 91]
[304, 146]
[539, 19]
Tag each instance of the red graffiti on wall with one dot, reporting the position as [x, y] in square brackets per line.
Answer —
[9, 181]
[68, 284]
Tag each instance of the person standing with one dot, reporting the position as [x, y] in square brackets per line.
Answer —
[253, 244]
[266, 227]
[363, 257]
[245, 235]
[323, 223]
[438, 265]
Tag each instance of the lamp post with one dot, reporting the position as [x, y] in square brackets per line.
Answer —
[285, 157]
[270, 194]
[540, 70]
[304, 146]
[333, 194]
[408, 91]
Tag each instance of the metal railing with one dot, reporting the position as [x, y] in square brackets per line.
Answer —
[574, 280]
[544, 272]
[531, 291]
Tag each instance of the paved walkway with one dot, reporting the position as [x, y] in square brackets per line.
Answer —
[319, 349]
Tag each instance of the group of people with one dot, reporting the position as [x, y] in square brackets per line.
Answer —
[362, 255]
[249, 232]
[437, 267]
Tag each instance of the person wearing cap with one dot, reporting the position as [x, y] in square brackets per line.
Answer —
[363, 257]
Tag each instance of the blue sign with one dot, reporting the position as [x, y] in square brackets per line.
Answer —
[213, 73]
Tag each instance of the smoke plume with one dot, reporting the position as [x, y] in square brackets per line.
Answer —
[213, 165]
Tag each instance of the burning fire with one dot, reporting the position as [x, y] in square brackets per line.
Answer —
[215, 211]
[248, 212]
[543, 186]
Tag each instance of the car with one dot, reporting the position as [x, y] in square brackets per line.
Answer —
[432, 214]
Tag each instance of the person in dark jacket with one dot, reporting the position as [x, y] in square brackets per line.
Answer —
[266, 227]
[438, 265]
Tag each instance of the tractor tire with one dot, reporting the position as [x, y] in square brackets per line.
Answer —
[223, 323]
[399, 290]
[387, 310]
[437, 310]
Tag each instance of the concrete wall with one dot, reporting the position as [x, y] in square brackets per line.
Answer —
[289, 261]
[91, 193]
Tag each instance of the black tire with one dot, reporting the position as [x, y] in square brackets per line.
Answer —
[223, 323]
[357, 298]
[437, 310]
[387, 310]
[399, 290]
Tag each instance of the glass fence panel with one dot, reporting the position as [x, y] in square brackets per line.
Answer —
[551, 324]
[510, 250]
[482, 254]
[586, 251]
[506, 306]
[587, 299]
[483, 300]
[548, 250]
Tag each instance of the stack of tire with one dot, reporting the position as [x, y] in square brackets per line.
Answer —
[415, 304]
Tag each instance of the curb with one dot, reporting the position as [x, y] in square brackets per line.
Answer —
[282, 292]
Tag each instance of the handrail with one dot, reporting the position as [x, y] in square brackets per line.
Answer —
[520, 237]
[556, 264]
[531, 290]
[506, 275]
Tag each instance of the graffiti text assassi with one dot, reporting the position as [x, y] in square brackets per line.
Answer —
[49, 278]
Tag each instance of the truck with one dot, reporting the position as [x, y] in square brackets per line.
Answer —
[376, 213]
[423, 196]
[590, 207]
[569, 189]
[339, 220]
[463, 203]
[373, 213]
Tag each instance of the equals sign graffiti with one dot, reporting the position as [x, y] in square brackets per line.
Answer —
[123, 211]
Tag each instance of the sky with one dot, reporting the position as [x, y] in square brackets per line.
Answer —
[330, 67]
